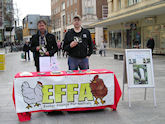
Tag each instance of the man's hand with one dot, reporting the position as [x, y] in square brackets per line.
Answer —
[73, 44]
[38, 48]
[47, 53]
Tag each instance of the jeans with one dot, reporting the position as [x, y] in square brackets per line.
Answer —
[75, 63]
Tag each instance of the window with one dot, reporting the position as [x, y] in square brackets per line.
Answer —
[71, 2]
[75, 12]
[89, 10]
[115, 39]
[63, 18]
[119, 4]
[132, 2]
[67, 3]
[71, 15]
[75, 1]
[104, 11]
[68, 18]
[63, 6]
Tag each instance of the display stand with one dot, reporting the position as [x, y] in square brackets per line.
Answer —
[138, 71]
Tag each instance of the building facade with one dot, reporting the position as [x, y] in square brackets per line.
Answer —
[63, 11]
[135, 20]
[1, 22]
[6, 21]
[30, 25]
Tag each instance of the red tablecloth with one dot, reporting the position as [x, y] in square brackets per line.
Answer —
[26, 116]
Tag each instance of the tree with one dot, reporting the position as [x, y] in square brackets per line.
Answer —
[8, 16]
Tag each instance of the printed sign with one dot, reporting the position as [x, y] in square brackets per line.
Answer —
[2, 61]
[63, 92]
[139, 68]
[48, 64]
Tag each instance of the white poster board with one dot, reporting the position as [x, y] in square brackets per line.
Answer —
[139, 68]
[48, 63]
[138, 71]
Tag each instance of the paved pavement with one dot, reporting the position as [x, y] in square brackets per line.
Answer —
[141, 111]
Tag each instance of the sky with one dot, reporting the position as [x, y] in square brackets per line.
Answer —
[25, 7]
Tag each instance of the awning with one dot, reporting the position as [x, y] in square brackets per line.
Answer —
[140, 13]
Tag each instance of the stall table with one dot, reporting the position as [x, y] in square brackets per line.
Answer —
[64, 91]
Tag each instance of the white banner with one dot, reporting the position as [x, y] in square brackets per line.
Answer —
[63, 92]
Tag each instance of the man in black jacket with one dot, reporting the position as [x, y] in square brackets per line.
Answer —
[151, 44]
[78, 44]
[42, 43]
[26, 49]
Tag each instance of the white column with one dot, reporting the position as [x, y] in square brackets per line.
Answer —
[109, 7]
[115, 5]
[123, 3]
[99, 35]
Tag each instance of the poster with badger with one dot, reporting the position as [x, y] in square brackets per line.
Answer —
[139, 68]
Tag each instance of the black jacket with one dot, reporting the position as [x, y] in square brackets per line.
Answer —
[26, 47]
[83, 49]
[151, 43]
[51, 46]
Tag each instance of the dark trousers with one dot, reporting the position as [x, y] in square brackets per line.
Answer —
[75, 63]
[36, 60]
[37, 69]
[28, 55]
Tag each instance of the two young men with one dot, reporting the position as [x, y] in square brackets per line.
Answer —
[77, 43]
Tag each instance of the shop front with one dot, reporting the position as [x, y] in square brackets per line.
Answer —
[157, 32]
[132, 35]
[132, 29]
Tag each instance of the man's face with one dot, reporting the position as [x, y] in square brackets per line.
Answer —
[41, 27]
[77, 23]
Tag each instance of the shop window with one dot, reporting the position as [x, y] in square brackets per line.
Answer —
[115, 39]
[152, 32]
[162, 36]
[133, 37]
[132, 2]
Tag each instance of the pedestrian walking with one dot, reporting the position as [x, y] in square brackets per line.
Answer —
[79, 46]
[151, 44]
[59, 48]
[94, 46]
[64, 53]
[26, 49]
[42, 43]
[102, 48]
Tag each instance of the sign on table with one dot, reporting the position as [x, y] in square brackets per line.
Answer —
[63, 92]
